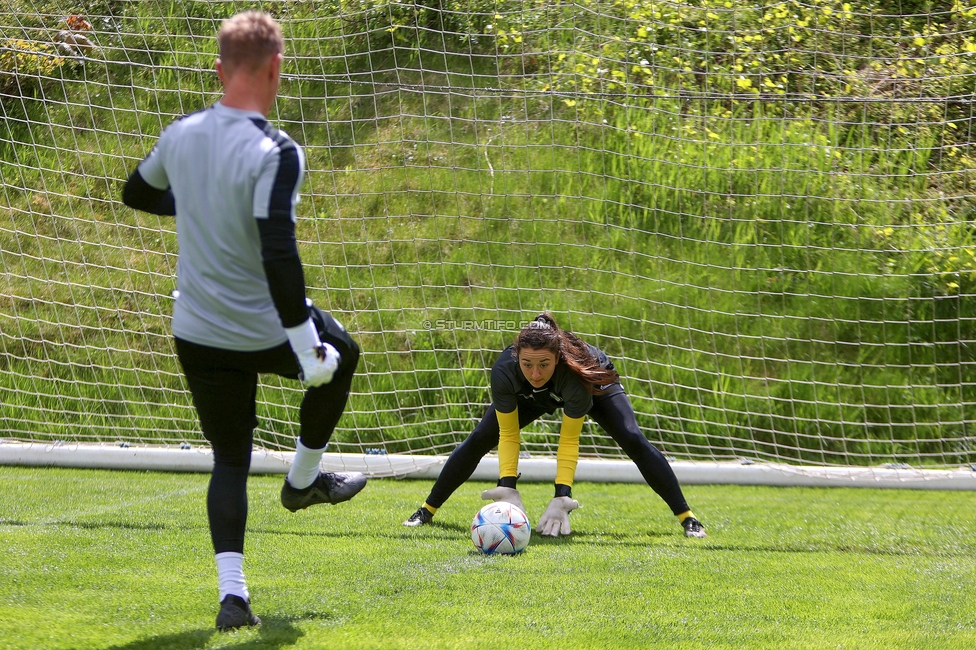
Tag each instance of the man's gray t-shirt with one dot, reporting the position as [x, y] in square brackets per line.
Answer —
[227, 168]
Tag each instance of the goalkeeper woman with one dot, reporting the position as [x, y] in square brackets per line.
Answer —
[549, 368]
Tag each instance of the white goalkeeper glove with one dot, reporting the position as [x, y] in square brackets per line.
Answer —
[318, 361]
[318, 364]
[555, 519]
[511, 495]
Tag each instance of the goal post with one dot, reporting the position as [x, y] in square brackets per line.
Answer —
[760, 211]
[406, 466]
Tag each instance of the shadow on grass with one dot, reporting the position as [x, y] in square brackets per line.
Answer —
[449, 531]
[274, 632]
[96, 525]
[123, 525]
[396, 532]
[440, 530]
[187, 640]
[844, 550]
[651, 539]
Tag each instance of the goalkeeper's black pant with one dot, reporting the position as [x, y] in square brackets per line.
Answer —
[223, 384]
[615, 415]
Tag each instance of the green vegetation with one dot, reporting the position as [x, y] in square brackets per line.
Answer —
[98, 560]
[782, 268]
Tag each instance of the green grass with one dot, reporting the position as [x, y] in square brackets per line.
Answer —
[96, 559]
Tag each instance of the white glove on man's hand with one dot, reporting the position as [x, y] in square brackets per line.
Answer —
[318, 364]
[318, 361]
[511, 495]
[555, 519]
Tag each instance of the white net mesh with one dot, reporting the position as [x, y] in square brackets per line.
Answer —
[760, 212]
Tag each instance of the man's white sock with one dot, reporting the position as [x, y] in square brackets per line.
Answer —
[230, 575]
[305, 468]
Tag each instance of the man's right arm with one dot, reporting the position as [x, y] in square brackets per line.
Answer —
[148, 186]
[140, 195]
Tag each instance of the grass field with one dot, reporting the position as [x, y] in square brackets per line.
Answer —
[96, 559]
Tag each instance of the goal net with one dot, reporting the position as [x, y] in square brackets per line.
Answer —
[761, 211]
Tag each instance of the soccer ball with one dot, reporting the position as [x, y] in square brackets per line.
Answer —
[500, 527]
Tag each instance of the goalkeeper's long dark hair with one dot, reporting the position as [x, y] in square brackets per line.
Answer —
[544, 334]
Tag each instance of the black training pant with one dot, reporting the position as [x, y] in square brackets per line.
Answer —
[615, 415]
[223, 384]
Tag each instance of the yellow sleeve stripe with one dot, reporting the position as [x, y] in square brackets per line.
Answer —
[567, 455]
[508, 443]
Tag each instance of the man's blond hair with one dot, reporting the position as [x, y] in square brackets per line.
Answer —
[248, 39]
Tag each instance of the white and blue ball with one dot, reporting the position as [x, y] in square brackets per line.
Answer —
[500, 528]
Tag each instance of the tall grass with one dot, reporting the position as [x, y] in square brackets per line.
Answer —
[790, 288]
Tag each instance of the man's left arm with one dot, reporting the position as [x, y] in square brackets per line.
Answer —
[276, 194]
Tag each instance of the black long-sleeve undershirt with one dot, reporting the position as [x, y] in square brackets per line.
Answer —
[283, 266]
[140, 195]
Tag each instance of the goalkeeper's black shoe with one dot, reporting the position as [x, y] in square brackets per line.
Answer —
[235, 612]
[693, 528]
[329, 487]
[422, 517]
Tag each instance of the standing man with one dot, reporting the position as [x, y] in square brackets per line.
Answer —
[232, 180]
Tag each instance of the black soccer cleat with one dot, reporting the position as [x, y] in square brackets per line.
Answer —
[235, 612]
[329, 487]
[422, 517]
[693, 528]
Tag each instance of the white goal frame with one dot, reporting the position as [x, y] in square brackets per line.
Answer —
[263, 461]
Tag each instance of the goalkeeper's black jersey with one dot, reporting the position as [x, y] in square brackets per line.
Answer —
[564, 390]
